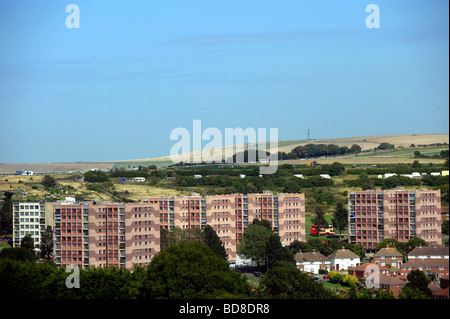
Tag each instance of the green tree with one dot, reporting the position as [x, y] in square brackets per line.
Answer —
[191, 270]
[254, 243]
[319, 219]
[412, 293]
[367, 293]
[418, 280]
[340, 218]
[336, 169]
[20, 254]
[46, 248]
[355, 148]
[291, 186]
[386, 146]
[27, 242]
[6, 214]
[296, 246]
[445, 229]
[262, 222]
[48, 181]
[213, 241]
[177, 235]
[165, 238]
[413, 243]
[31, 280]
[276, 253]
[357, 249]
[105, 283]
[288, 282]
[96, 177]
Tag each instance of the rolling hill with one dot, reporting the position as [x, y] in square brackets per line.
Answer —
[366, 142]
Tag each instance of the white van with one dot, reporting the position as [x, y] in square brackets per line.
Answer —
[138, 179]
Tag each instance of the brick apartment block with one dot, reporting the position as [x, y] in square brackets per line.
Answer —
[106, 234]
[118, 234]
[398, 214]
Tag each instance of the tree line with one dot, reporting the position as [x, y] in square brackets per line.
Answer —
[365, 182]
[192, 266]
[318, 150]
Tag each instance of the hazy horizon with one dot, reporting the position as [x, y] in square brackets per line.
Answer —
[116, 87]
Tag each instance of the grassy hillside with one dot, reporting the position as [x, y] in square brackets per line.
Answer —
[367, 142]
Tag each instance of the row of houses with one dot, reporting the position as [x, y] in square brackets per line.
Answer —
[386, 268]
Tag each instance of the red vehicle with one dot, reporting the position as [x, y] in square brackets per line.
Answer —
[316, 230]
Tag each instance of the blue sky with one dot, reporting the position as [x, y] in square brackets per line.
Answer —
[116, 87]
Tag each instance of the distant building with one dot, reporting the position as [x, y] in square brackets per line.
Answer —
[398, 214]
[125, 234]
[29, 219]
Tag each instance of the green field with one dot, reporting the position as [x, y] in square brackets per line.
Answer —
[409, 151]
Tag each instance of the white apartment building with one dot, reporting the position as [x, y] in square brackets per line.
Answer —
[29, 219]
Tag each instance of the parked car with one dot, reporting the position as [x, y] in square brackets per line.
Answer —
[257, 274]
[326, 277]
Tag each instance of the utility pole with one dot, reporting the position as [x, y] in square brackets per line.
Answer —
[309, 136]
